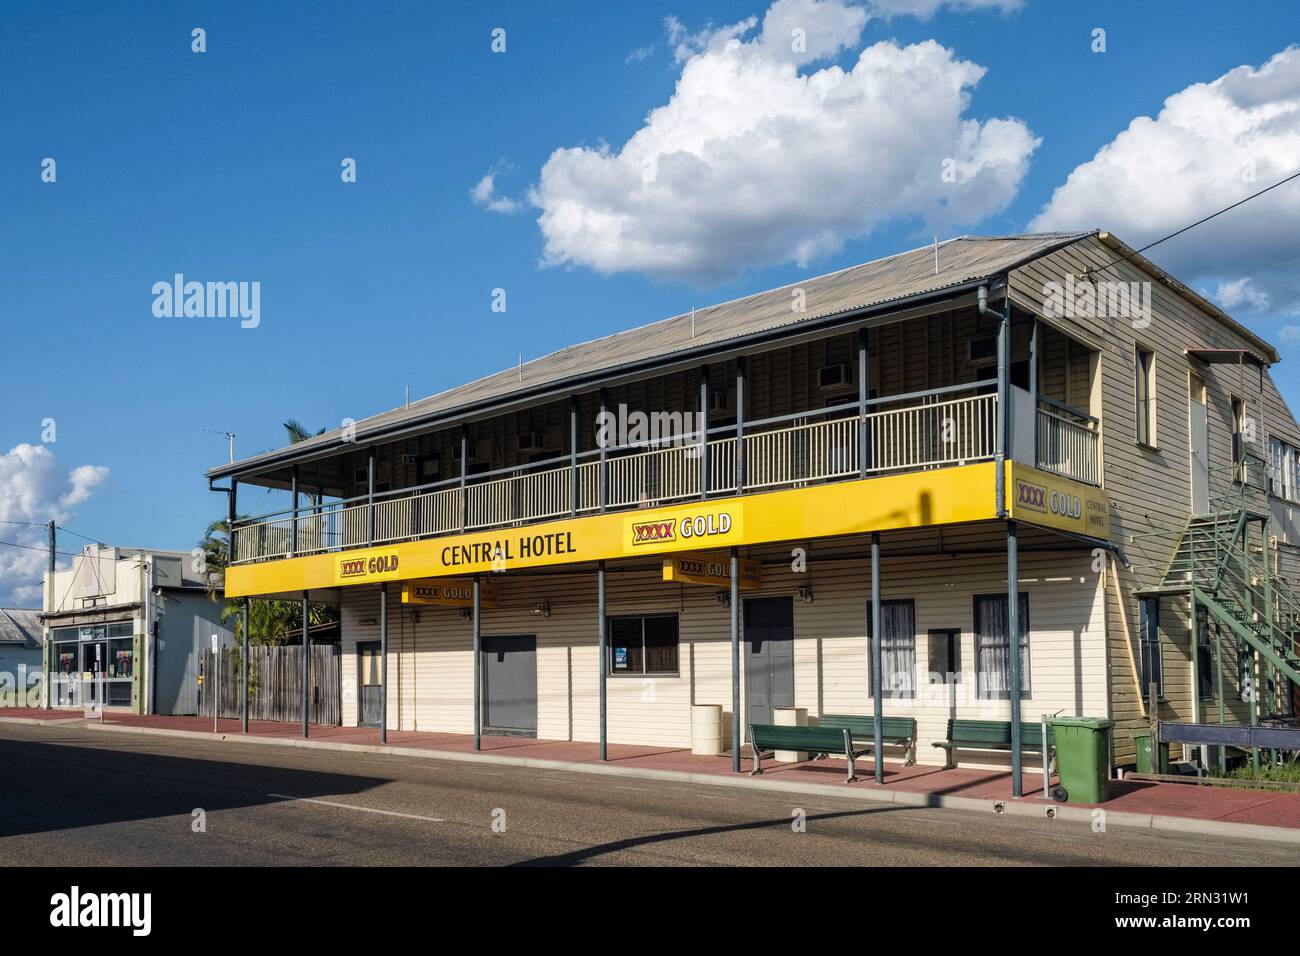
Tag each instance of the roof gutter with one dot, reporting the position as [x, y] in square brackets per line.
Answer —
[562, 387]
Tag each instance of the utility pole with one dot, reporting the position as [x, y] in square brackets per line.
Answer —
[49, 602]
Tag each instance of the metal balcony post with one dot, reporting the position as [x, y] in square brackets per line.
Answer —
[573, 456]
[740, 425]
[1033, 378]
[464, 472]
[370, 495]
[232, 515]
[604, 460]
[864, 367]
[704, 431]
[293, 526]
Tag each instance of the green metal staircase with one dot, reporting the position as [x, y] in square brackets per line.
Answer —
[1214, 563]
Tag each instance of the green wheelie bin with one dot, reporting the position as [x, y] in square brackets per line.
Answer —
[1082, 758]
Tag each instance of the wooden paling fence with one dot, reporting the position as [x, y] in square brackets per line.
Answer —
[275, 684]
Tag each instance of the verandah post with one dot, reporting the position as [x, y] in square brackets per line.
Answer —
[243, 715]
[306, 663]
[603, 642]
[735, 656]
[383, 662]
[1013, 638]
[478, 676]
[877, 684]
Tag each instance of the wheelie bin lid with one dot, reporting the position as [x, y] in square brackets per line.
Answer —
[1089, 723]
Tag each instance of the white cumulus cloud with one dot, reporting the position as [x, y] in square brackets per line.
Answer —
[924, 9]
[758, 159]
[1211, 145]
[34, 489]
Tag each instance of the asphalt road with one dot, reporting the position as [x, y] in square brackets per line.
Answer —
[79, 797]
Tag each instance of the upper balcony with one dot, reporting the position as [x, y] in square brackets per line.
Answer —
[935, 428]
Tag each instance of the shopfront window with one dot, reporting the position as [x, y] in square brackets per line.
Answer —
[643, 645]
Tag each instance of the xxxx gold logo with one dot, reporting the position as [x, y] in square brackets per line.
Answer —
[359, 567]
[646, 532]
[1031, 496]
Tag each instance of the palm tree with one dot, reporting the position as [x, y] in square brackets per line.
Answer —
[297, 432]
[269, 622]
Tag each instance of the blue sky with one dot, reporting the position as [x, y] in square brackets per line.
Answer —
[225, 165]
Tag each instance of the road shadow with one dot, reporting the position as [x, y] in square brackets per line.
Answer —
[60, 786]
[584, 855]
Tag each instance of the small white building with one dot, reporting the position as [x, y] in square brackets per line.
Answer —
[129, 624]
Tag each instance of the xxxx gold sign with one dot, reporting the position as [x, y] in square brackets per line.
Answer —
[696, 567]
[358, 566]
[706, 524]
[1041, 498]
[449, 592]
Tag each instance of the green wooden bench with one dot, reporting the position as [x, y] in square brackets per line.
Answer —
[897, 731]
[812, 740]
[993, 735]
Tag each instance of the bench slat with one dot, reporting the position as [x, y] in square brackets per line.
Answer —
[860, 725]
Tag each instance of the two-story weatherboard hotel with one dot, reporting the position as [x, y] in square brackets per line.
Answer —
[1053, 410]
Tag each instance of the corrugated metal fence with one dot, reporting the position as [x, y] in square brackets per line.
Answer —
[275, 684]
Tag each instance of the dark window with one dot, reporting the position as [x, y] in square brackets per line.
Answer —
[897, 646]
[1238, 444]
[1204, 657]
[1144, 394]
[643, 645]
[993, 646]
[1153, 671]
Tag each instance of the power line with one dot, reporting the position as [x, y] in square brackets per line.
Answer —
[66, 554]
[1152, 245]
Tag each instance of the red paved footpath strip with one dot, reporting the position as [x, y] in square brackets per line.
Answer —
[1262, 807]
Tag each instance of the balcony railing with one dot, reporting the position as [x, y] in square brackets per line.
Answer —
[934, 429]
[1067, 442]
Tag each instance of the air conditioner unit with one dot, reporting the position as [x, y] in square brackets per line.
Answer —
[531, 441]
[835, 376]
[982, 350]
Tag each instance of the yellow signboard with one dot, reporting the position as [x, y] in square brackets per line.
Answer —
[1055, 502]
[449, 592]
[714, 568]
[884, 503]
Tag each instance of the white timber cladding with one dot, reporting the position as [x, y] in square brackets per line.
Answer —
[431, 663]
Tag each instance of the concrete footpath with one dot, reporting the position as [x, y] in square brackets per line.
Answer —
[1243, 814]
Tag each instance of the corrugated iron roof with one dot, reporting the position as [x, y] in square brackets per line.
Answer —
[20, 626]
[902, 276]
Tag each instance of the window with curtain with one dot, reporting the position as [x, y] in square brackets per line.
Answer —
[897, 646]
[993, 646]
[643, 645]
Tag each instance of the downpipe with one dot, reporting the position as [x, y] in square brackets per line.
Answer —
[1004, 349]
